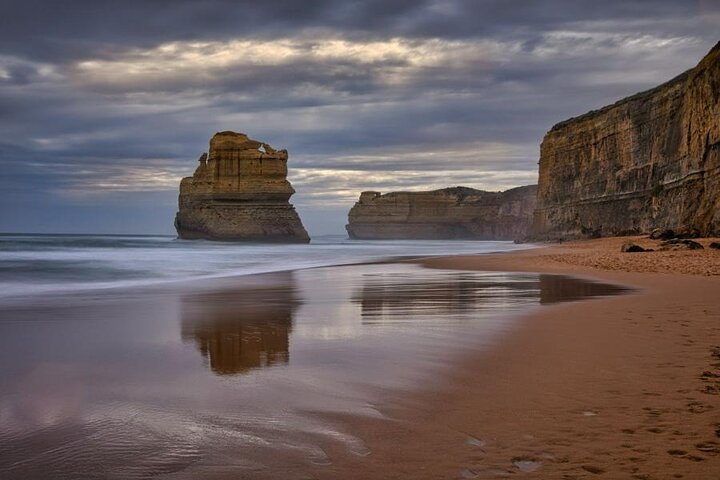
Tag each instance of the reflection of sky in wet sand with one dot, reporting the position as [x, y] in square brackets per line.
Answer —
[183, 383]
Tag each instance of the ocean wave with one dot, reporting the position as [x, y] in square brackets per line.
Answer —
[37, 264]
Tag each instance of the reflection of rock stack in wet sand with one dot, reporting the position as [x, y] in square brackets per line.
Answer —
[241, 330]
[239, 192]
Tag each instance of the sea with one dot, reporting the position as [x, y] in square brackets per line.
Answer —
[41, 264]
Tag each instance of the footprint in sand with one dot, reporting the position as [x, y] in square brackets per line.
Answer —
[713, 448]
[698, 407]
[652, 412]
[491, 472]
[467, 473]
[593, 469]
[676, 452]
[526, 464]
[711, 389]
[475, 442]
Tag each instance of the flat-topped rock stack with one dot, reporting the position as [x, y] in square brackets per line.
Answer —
[449, 213]
[649, 161]
[239, 192]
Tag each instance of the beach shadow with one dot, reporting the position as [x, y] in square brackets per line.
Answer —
[241, 330]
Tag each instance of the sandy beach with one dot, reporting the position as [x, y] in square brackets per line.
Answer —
[622, 387]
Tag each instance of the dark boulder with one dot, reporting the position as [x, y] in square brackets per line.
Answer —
[689, 233]
[659, 234]
[681, 244]
[631, 247]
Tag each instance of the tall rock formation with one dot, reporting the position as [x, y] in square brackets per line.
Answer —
[239, 192]
[449, 213]
[649, 161]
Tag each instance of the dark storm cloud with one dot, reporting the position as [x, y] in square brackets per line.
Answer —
[72, 28]
[110, 103]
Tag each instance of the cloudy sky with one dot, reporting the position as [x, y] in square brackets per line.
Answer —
[105, 105]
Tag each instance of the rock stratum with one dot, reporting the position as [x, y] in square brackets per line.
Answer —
[449, 213]
[239, 192]
[649, 161]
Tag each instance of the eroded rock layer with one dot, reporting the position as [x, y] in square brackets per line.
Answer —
[239, 192]
[649, 161]
[449, 213]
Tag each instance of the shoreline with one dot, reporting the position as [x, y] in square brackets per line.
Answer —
[617, 387]
[50, 292]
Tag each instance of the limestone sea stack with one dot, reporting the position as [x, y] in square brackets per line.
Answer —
[449, 213]
[649, 161]
[239, 192]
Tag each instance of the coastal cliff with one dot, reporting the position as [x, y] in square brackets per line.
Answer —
[239, 192]
[649, 161]
[449, 213]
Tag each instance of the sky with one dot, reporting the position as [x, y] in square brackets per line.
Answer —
[106, 105]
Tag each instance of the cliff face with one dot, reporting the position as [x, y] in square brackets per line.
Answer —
[239, 192]
[450, 213]
[649, 161]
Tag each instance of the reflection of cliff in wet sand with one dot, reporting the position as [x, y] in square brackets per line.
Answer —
[240, 331]
[560, 288]
[388, 298]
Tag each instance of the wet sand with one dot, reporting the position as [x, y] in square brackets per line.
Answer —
[622, 387]
[250, 377]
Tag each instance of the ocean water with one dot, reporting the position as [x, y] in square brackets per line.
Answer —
[38, 264]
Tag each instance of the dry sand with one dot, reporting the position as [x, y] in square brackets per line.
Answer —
[623, 387]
